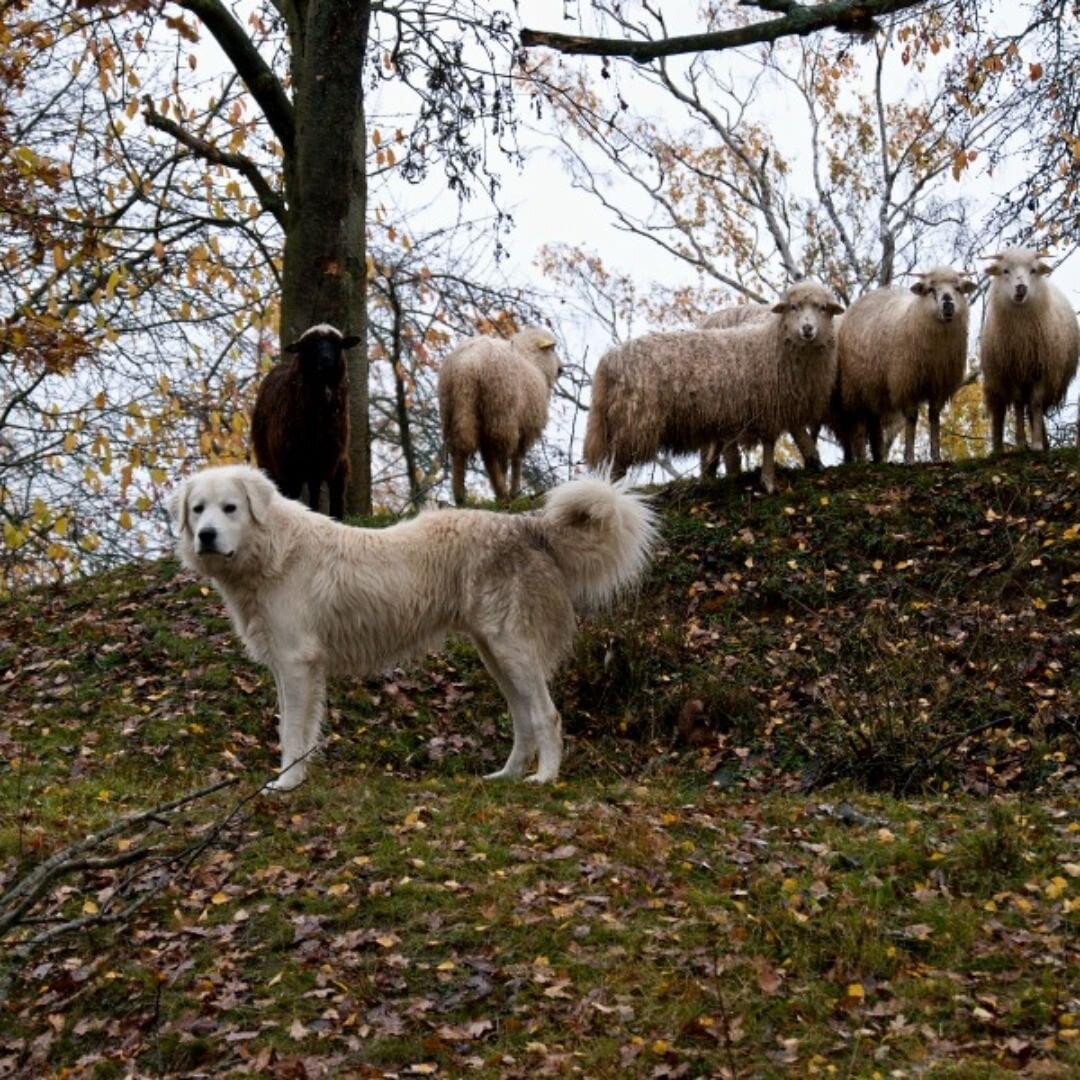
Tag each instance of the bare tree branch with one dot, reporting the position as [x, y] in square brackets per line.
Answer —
[855, 16]
[258, 76]
[268, 198]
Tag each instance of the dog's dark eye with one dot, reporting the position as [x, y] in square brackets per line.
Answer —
[229, 508]
[197, 508]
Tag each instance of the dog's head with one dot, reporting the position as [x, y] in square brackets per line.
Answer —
[218, 513]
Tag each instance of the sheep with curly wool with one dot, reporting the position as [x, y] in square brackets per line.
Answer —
[897, 349]
[493, 399]
[680, 392]
[724, 318]
[1029, 344]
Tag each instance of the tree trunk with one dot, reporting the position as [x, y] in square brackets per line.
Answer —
[401, 400]
[324, 271]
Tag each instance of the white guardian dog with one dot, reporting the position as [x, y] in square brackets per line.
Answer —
[312, 598]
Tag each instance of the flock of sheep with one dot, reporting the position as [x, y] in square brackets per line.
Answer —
[743, 378]
[752, 372]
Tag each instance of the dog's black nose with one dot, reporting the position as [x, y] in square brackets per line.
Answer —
[207, 537]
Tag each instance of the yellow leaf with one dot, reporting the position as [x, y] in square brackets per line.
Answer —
[856, 992]
[90, 908]
[1057, 886]
[59, 258]
[339, 889]
[60, 526]
[125, 520]
[218, 899]
[114, 279]
[886, 836]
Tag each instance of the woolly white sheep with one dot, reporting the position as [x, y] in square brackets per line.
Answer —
[1029, 345]
[493, 398]
[681, 392]
[897, 349]
[738, 315]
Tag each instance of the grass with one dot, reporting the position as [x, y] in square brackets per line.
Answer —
[818, 816]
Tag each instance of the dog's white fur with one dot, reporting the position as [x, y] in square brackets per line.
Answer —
[312, 598]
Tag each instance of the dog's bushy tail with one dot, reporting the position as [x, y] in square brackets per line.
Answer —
[601, 535]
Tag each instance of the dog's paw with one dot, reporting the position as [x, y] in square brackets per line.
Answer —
[538, 778]
[286, 782]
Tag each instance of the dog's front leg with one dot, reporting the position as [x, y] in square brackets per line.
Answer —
[301, 696]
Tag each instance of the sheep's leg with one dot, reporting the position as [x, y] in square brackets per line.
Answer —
[337, 493]
[911, 421]
[710, 460]
[1038, 427]
[302, 695]
[515, 476]
[1018, 426]
[807, 447]
[768, 465]
[874, 437]
[496, 474]
[457, 465]
[996, 408]
[732, 459]
[933, 410]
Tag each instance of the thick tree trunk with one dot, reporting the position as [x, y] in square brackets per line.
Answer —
[324, 272]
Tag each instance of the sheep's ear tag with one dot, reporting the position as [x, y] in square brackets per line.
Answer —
[548, 345]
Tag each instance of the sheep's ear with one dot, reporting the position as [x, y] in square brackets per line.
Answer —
[293, 348]
[967, 286]
[259, 490]
[350, 341]
[833, 308]
[994, 269]
[177, 507]
[920, 288]
[780, 307]
[1042, 269]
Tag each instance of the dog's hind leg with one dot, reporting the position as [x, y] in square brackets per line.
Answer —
[520, 676]
[301, 699]
[524, 748]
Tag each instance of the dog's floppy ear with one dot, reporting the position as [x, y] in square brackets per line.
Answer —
[260, 492]
[176, 504]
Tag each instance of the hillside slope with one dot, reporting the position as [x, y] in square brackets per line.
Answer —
[814, 814]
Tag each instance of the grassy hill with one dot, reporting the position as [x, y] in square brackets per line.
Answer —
[818, 816]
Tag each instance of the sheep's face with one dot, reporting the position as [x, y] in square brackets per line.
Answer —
[1017, 275]
[321, 350]
[808, 310]
[946, 290]
[539, 345]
